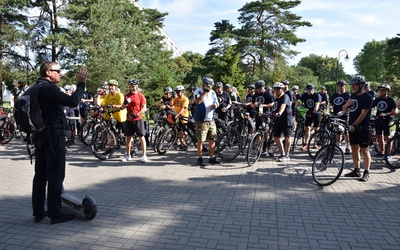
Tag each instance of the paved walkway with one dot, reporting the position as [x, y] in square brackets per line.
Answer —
[169, 203]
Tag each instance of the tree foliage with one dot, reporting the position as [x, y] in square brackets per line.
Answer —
[370, 61]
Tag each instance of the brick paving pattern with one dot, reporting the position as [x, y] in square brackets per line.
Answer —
[169, 203]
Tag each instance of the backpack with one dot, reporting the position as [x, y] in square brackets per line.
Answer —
[27, 112]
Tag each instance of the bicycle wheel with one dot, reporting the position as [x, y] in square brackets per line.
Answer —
[229, 145]
[254, 149]
[103, 143]
[392, 152]
[7, 133]
[153, 134]
[157, 136]
[86, 134]
[317, 140]
[167, 140]
[327, 165]
[298, 136]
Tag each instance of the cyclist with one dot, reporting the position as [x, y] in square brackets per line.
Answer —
[311, 101]
[369, 90]
[283, 120]
[116, 99]
[224, 100]
[100, 93]
[336, 105]
[386, 109]
[250, 99]
[287, 91]
[359, 105]
[181, 108]
[263, 102]
[324, 98]
[192, 103]
[296, 96]
[165, 102]
[135, 103]
[206, 103]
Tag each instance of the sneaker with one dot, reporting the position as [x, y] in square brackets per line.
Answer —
[133, 153]
[39, 218]
[213, 160]
[143, 159]
[126, 158]
[378, 155]
[347, 151]
[365, 176]
[200, 162]
[265, 153]
[354, 173]
[388, 157]
[283, 158]
[182, 148]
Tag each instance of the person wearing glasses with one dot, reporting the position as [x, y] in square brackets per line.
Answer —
[165, 102]
[385, 110]
[181, 109]
[50, 143]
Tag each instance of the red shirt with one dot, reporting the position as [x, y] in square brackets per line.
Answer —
[137, 101]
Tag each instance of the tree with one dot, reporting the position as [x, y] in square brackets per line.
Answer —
[267, 32]
[370, 61]
[325, 68]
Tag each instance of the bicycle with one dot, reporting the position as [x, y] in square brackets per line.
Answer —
[300, 128]
[319, 137]
[392, 148]
[7, 129]
[237, 136]
[263, 138]
[329, 161]
[89, 124]
[106, 138]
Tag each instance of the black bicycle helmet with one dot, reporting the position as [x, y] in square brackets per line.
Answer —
[341, 82]
[357, 79]
[133, 82]
[260, 84]
[208, 80]
[251, 86]
[219, 84]
[310, 86]
[168, 90]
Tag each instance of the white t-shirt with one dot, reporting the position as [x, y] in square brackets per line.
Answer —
[206, 106]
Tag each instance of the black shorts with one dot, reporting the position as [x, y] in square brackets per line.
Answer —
[382, 127]
[312, 119]
[287, 131]
[136, 127]
[83, 112]
[360, 137]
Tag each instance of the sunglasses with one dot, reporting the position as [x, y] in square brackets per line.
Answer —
[56, 70]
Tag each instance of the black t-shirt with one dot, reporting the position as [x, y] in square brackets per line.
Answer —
[384, 105]
[286, 119]
[361, 102]
[250, 98]
[264, 98]
[324, 98]
[224, 99]
[309, 101]
[338, 100]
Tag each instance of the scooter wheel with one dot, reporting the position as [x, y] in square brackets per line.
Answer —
[90, 210]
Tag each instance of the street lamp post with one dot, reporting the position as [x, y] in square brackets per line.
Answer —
[338, 59]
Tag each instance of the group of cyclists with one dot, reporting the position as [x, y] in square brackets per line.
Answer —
[279, 102]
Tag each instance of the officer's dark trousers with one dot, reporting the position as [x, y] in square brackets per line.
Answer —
[49, 171]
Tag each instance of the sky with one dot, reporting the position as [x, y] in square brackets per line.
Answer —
[338, 25]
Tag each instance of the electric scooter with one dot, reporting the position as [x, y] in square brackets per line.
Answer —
[87, 206]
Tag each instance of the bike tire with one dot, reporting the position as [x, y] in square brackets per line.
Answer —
[254, 149]
[229, 145]
[328, 165]
[298, 135]
[103, 143]
[87, 131]
[167, 140]
[7, 133]
[392, 157]
[316, 141]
